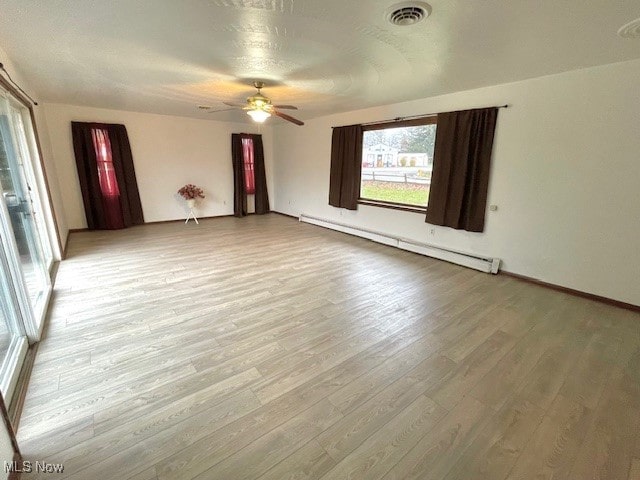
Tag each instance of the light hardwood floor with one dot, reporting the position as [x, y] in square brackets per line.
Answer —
[270, 349]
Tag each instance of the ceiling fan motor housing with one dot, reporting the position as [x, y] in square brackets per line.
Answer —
[258, 101]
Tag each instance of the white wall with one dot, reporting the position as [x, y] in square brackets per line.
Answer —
[565, 177]
[168, 152]
[52, 175]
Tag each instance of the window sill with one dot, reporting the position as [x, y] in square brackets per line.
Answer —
[392, 206]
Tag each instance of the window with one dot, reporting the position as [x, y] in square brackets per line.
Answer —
[401, 174]
[107, 175]
[106, 172]
[249, 173]
[114, 218]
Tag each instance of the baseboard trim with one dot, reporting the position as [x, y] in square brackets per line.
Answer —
[79, 230]
[182, 219]
[20, 395]
[574, 292]
[285, 215]
[10, 428]
[474, 261]
[63, 253]
[16, 474]
[53, 274]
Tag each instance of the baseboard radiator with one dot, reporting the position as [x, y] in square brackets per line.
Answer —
[484, 264]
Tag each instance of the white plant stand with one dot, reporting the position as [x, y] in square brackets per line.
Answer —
[191, 203]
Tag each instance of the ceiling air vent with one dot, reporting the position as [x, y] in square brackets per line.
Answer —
[408, 13]
[630, 30]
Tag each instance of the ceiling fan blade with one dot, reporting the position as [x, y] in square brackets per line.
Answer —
[236, 105]
[221, 110]
[286, 107]
[288, 118]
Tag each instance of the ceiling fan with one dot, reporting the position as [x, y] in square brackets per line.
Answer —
[260, 108]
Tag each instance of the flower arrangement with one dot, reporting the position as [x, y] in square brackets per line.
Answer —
[191, 192]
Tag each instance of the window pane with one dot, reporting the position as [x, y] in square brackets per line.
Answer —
[29, 157]
[249, 175]
[106, 172]
[397, 164]
[114, 218]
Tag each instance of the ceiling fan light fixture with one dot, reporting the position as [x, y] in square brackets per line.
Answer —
[258, 116]
[258, 100]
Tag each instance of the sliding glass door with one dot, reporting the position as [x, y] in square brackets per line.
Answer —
[27, 152]
[25, 250]
[13, 338]
[17, 188]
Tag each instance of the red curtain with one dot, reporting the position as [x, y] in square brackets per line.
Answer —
[249, 166]
[107, 179]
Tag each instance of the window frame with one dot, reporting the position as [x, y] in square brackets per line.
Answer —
[414, 122]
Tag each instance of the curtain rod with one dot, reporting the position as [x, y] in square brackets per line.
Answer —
[16, 85]
[410, 117]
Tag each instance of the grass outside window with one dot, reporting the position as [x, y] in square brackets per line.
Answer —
[407, 194]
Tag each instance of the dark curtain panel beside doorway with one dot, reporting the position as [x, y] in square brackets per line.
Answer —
[461, 161]
[247, 156]
[346, 166]
[107, 176]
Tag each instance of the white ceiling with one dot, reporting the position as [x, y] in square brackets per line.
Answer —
[167, 56]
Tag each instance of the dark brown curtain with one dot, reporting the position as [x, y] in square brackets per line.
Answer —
[99, 207]
[262, 196]
[461, 162]
[260, 176]
[237, 158]
[346, 166]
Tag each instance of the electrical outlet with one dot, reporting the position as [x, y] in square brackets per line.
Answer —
[432, 231]
[493, 208]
